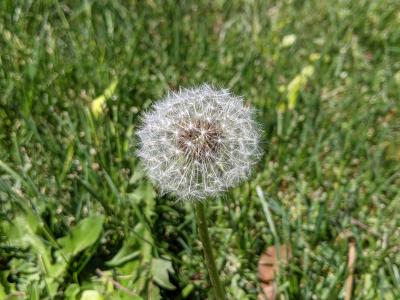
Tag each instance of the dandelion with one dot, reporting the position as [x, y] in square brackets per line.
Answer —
[196, 144]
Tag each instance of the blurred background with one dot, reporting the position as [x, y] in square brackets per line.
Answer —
[79, 220]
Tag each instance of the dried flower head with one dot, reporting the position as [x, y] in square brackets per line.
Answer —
[197, 143]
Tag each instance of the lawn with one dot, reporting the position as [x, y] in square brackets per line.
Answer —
[80, 220]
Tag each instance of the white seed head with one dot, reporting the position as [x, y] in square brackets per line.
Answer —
[197, 143]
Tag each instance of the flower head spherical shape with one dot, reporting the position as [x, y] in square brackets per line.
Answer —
[197, 143]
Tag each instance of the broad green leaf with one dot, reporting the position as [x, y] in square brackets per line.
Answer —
[298, 83]
[98, 104]
[51, 286]
[91, 295]
[187, 290]
[160, 269]
[23, 233]
[126, 253]
[72, 291]
[83, 235]
[153, 292]
[293, 90]
[2, 292]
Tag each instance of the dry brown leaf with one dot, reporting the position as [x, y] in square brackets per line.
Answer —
[268, 266]
[268, 291]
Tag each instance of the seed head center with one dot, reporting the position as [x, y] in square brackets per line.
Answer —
[200, 140]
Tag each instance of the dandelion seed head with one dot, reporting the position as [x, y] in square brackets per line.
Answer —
[198, 143]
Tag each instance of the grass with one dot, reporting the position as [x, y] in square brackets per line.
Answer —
[78, 218]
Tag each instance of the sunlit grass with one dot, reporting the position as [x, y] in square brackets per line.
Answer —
[74, 79]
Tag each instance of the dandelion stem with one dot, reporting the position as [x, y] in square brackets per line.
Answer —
[210, 262]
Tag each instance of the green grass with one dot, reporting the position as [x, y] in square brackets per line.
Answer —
[77, 214]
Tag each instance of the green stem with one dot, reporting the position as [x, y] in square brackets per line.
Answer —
[210, 262]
